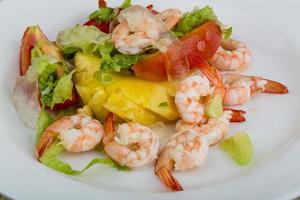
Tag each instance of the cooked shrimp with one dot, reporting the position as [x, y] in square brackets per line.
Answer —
[127, 42]
[132, 145]
[77, 133]
[240, 88]
[185, 150]
[139, 29]
[215, 130]
[170, 17]
[182, 126]
[231, 56]
[189, 95]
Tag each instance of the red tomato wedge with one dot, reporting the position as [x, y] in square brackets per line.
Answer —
[102, 26]
[31, 35]
[150, 8]
[67, 103]
[102, 3]
[199, 45]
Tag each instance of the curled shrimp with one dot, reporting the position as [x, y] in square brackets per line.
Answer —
[78, 133]
[215, 130]
[240, 88]
[231, 56]
[139, 29]
[185, 150]
[132, 145]
[189, 95]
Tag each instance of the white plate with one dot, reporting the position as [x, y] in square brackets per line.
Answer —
[272, 120]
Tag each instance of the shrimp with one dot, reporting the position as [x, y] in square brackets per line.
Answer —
[170, 17]
[240, 88]
[215, 129]
[189, 95]
[139, 29]
[78, 133]
[231, 56]
[132, 144]
[185, 150]
[127, 42]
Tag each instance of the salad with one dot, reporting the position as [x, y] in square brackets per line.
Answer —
[102, 84]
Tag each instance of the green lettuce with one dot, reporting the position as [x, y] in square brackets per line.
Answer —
[81, 38]
[53, 89]
[239, 147]
[125, 4]
[50, 159]
[112, 60]
[103, 15]
[107, 14]
[194, 19]
[118, 62]
[63, 89]
[227, 32]
[44, 120]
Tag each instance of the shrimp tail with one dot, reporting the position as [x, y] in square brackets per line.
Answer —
[274, 87]
[237, 115]
[109, 127]
[46, 140]
[168, 179]
[163, 167]
[214, 76]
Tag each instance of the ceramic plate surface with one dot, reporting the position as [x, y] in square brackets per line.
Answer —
[271, 30]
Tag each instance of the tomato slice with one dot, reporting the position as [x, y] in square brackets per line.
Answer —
[102, 3]
[199, 45]
[150, 8]
[202, 43]
[102, 26]
[151, 68]
[67, 103]
[30, 37]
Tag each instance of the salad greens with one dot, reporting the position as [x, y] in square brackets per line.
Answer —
[125, 4]
[89, 39]
[194, 19]
[103, 15]
[44, 120]
[50, 155]
[53, 89]
[81, 38]
[107, 14]
[239, 147]
[63, 90]
[50, 159]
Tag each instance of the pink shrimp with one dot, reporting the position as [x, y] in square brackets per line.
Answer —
[240, 88]
[77, 133]
[185, 150]
[231, 56]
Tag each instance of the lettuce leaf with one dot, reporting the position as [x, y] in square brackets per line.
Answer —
[103, 15]
[118, 62]
[50, 159]
[81, 38]
[44, 120]
[53, 89]
[194, 19]
[125, 4]
[227, 32]
[112, 60]
[63, 89]
[239, 147]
